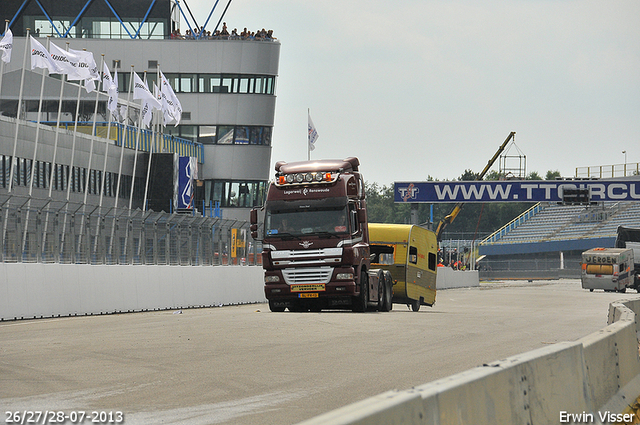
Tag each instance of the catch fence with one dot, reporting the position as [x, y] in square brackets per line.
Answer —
[47, 231]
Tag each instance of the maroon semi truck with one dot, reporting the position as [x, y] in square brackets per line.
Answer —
[315, 239]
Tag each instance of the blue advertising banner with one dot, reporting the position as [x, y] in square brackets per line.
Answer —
[513, 191]
[187, 172]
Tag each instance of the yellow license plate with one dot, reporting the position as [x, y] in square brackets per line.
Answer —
[308, 295]
[307, 288]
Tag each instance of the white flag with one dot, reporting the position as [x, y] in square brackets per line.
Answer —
[147, 112]
[175, 105]
[167, 109]
[40, 58]
[122, 113]
[141, 91]
[86, 68]
[6, 45]
[167, 105]
[111, 87]
[313, 135]
[67, 62]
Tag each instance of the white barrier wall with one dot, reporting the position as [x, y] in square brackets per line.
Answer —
[447, 278]
[51, 290]
[30, 290]
[596, 375]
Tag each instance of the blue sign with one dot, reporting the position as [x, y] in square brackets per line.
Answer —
[187, 172]
[513, 191]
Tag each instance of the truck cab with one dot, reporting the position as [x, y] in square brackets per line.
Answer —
[315, 239]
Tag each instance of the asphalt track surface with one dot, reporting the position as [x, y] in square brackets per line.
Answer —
[246, 365]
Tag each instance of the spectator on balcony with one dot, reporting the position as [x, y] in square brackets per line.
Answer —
[225, 31]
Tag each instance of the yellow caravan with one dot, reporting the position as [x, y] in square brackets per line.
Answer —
[410, 253]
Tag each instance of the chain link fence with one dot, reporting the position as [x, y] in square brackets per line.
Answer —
[46, 231]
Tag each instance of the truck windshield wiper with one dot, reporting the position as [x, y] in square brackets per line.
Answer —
[331, 235]
[285, 236]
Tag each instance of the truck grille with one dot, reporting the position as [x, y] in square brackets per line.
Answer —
[307, 275]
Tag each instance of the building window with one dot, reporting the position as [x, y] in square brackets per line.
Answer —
[225, 135]
[205, 83]
[242, 194]
[188, 83]
[207, 134]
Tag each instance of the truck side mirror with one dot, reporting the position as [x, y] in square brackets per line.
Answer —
[254, 231]
[362, 216]
[253, 218]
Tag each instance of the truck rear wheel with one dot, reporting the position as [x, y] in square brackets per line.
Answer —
[386, 301]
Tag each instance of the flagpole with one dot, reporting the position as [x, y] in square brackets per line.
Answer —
[124, 137]
[308, 141]
[93, 129]
[35, 148]
[73, 143]
[106, 149]
[103, 181]
[115, 206]
[6, 27]
[135, 158]
[15, 138]
[53, 173]
[153, 142]
[35, 152]
[63, 78]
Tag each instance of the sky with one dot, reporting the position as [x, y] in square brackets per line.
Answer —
[431, 88]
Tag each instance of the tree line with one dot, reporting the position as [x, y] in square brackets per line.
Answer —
[475, 221]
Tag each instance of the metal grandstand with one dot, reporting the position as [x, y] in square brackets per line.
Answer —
[546, 240]
[548, 222]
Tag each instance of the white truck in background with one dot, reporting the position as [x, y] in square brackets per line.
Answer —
[611, 269]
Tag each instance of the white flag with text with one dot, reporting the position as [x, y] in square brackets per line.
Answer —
[86, 68]
[110, 85]
[313, 135]
[40, 58]
[67, 62]
[6, 45]
[141, 91]
[174, 105]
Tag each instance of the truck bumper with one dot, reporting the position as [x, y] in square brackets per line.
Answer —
[335, 294]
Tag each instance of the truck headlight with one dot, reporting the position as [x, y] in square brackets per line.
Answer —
[344, 276]
[271, 279]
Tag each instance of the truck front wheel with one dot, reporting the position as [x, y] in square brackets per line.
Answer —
[361, 301]
[274, 308]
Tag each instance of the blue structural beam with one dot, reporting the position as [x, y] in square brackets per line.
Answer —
[145, 18]
[49, 18]
[209, 17]
[118, 18]
[75, 21]
[183, 15]
[24, 3]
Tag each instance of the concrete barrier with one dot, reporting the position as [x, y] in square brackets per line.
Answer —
[52, 290]
[447, 278]
[596, 375]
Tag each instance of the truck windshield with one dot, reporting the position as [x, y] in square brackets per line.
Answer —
[305, 218]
